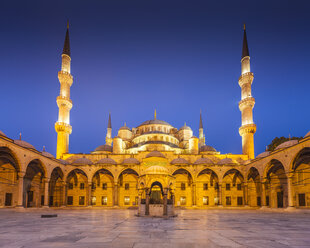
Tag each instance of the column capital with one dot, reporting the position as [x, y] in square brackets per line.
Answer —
[21, 174]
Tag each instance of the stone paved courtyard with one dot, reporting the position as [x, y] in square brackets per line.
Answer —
[93, 228]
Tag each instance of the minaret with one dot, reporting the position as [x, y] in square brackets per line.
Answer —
[62, 126]
[248, 128]
[108, 138]
[202, 139]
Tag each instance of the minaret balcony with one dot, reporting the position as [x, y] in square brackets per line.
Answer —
[248, 128]
[65, 77]
[246, 78]
[61, 101]
[63, 127]
[246, 102]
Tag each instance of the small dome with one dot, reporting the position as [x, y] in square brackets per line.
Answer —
[104, 148]
[2, 134]
[155, 154]
[286, 144]
[131, 161]
[201, 161]
[185, 128]
[24, 144]
[65, 162]
[157, 169]
[227, 161]
[47, 154]
[180, 161]
[263, 154]
[206, 148]
[106, 161]
[307, 135]
[82, 161]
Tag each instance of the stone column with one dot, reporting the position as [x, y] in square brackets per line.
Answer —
[115, 195]
[245, 194]
[220, 203]
[88, 201]
[165, 202]
[290, 191]
[263, 194]
[64, 195]
[147, 203]
[193, 194]
[46, 191]
[20, 190]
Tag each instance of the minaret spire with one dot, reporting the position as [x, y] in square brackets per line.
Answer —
[245, 48]
[66, 49]
[108, 138]
[155, 114]
[62, 126]
[246, 105]
[202, 139]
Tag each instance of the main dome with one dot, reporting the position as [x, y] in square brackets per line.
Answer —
[150, 122]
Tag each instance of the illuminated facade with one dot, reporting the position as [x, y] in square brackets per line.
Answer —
[154, 164]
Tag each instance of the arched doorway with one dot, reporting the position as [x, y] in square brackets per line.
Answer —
[102, 188]
[183, 188]
[56, 188]
[34, 185]
[301, 179]
[254, 188]
[156, 193]
[232, 189]
[77, 188]
[276, 185]
[8, 178]
[207, 188]
[128, 188]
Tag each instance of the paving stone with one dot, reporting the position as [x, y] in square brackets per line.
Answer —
[121, 228]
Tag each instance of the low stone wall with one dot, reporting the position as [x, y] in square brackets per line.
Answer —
[156, 210]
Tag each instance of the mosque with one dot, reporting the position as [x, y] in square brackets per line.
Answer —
[154, 165]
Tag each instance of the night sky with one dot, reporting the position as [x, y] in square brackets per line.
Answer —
[130, 57]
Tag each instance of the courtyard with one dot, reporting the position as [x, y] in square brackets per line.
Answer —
[96, 228]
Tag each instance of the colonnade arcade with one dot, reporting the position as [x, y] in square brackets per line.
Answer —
[269, 182]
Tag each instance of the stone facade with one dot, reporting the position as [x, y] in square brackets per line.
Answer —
[154, 164]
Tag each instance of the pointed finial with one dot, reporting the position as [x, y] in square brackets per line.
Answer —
[20, 136]
[155, 115]
[43, 148]
[66, 49]
[289, 136]
[243, 26]
[125, 124]
[184, 124]
[67, 24]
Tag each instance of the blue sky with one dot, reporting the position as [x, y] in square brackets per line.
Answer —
[130, 57]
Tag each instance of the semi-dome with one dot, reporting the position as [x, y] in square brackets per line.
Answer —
[106, 161]
[2, 134]
[206, 148]
[263, 154]
[155, 154]
[104, 148]
[227, 161]
[286, 144]
[150, 122]
[157, 169]
[131, 161]
[47, 154]
[201, 161]
[24, 144]
[306, 136]
[180, 161]
[82, 161]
